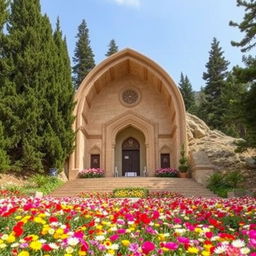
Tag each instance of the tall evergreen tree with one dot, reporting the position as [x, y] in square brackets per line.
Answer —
[83, 57]
[113, 48]
[212, 107]
[58, 133]
[32, 110]
[247, 26]
[247, 75]
[4, 158]
[232, 97]
[187, 93]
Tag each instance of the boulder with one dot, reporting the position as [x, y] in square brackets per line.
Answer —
[219, 149]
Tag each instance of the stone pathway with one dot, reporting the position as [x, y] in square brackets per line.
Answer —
[184, 186]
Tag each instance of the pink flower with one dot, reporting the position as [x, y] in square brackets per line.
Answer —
[252, 234]
[171, 246]
[183, 240]
[114, 237]
[147, 247]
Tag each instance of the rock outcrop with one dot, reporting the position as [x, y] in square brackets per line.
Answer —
[220, 149]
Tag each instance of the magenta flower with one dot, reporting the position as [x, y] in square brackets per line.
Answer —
[147, 247]
[183, 240]
[171, 246]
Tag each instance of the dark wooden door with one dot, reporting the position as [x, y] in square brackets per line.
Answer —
[165, 160]
[95, 161]
[131, 161]
[131, 156]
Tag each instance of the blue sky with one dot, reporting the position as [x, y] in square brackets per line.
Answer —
[177, 34]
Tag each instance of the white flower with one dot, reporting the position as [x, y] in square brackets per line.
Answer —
[15, 245]
[245, 250]
[54, 246]
[238, 243]
[180, 230]
[99, 238]
[114, 247]
[220, 249]
[73, 241]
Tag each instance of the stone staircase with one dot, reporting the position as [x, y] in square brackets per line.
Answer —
[184, 186]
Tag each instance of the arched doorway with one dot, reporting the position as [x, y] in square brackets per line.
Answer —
[131, 157]
[130, 152]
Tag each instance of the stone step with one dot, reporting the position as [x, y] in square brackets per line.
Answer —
[187, 187]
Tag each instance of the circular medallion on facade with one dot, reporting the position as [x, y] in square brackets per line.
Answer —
[130, 97]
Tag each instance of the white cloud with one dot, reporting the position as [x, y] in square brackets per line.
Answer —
[132, 3]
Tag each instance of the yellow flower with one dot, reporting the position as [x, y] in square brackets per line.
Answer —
[81, 253]
[67, 254]
[69, 249]
[112, 252]
[10, 239]
[35, 245]
[23, 253]
[192, 250]
[206, 253]
[125, 242]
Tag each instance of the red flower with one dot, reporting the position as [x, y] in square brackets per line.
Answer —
[46, 248]
[18, 229]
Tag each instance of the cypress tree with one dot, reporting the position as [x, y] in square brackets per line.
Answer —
[4, 158]
[247, 75]
[36, 112]
[58, 134]
[113, 48]
[212, 107]
[187, 93]
[83, 57]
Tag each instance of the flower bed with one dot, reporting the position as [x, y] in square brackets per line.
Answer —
[130, 192]
[166, 172]
[176, 226]
[91, 173]
[161, 194]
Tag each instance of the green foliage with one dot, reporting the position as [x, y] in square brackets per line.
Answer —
[113, 48]
[222, 183]
[36, 93]
[232, 97]
[211, 109]
[247, 26]
[83, 56]
[40, 183]
[130, 192]
[187, 93]
[248, 74]
[184, 166]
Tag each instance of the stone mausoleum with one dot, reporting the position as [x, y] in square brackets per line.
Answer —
[130, 118]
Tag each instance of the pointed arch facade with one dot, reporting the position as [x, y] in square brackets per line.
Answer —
[127, 89]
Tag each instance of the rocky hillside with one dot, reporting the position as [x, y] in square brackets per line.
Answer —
[220, 149]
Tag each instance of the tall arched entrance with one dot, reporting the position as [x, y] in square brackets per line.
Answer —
[127, 91]
[130, 152]
[131, 157]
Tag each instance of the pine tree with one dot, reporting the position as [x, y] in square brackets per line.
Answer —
[232, 97]
[247, 26]
[113, 48]
[247, 75]
[212, 107]
[187, 93]
[83, 57]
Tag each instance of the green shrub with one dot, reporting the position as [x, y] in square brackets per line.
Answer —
[221, 183]
[130, 192]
